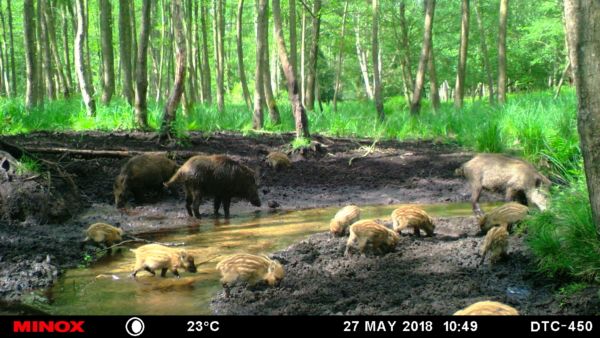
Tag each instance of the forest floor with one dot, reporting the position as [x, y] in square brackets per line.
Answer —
[430, 276]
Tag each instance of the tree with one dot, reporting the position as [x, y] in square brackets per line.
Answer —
[502, 51]
[83, 75]
[141, 72]
[125, 43]
[269, 97]
[293, 42]
[405, 62]
[376, 65]
[340, 58]
[301, 122]
[361, 55]
[206, 81]
[177, 91]
[433, 87]
[309, 95]
[484, 52]
[583, 32]
[108, 67]
[65, 84]
[459, 89]
[12, 48]
[257, 118]
[415, 103]
[240, 55]
[219, 25]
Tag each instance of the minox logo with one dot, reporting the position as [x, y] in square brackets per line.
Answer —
[41, 326]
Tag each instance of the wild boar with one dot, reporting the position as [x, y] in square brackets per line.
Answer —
[218, 176]
[343, 218]
[517, 178]
[278, 160]
[379, 238]
[488, 308]
[412, 217]
[495, 243]
[251, 269]
[510, 213]
[104, 234]
[150, 257]
[142, 174]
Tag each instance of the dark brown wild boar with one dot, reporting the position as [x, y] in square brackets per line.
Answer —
[150, 257]
[517, 178]
[215, 176]
[141, 174]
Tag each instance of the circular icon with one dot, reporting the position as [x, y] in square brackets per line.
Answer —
[134, 326]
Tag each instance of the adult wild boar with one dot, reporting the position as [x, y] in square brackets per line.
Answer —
[215, 176]
[141, 174]
[517, 178]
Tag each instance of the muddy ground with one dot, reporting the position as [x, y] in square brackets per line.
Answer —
[32, 254]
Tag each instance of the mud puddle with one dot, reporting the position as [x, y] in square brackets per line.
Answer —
[105, 287]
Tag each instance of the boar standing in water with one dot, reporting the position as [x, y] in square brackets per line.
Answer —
[218, 176]
[141, 174]
[496, 243]
[251, 269]
[487, 308]
[509, 213]
[380, 239]
[150, 257]
[343, 218]
[517, 178]
[412, 217]
[104, 234]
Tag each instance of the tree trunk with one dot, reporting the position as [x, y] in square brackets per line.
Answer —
[415, 103]
[64, 81]
[362, 60]
[108, 67]
[219, 25]
[269, 97]
[257, 118]
[293, 42]
[47, 68]
[502, 51]
[313, 56]
[240, 55]
[5, 83]
[177, 91]
[206, 78]
[302, 57]
[376, 65]
[459, 90]
[405, 62]
[433, 86]
[340, 58]
[189, 90]
[125, 44]
[300, 119]
[484, 52]
[85, 83]
[583, 30]
[67, 50]
[141, 73]
[12, 48]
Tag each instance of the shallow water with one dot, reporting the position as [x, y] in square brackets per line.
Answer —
[105, 287]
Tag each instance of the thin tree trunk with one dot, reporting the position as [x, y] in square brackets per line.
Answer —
[161, 61]
[219, 28]
[108, 67]
[240, 55]
[189, 90]
[562, 79]
[31, 93]
[302, 57]
[125, 44]
[269, 97]
[313, 57]
[257, 118]
[415, 103]
[134, 41]
[459, 90]
[197, 54]
[433, 86]
[141, 73]
[301, 122]
[340, 58]
[47, 68]
[293, 42]
[177, 91]
[405, 61]
[5, 83]
[206, 84]
[376, 65]
[12, 49]
[502, 51]
[85, 83]
[582, 18]
[484, 52]
[65, 82]
[362, 61]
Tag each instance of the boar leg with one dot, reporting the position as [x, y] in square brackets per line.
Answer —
[163, 272]
[475, 192]
[188, 201]
[175, 272]
[510, 194]
[217, 205]
[226, 204]
[417, 231]
[226, 288]
[196, 199]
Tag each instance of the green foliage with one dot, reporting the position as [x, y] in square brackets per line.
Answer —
[564, 238]
[300, 142]
[27, 165]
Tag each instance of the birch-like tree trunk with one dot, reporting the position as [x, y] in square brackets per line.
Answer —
[83, 75]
